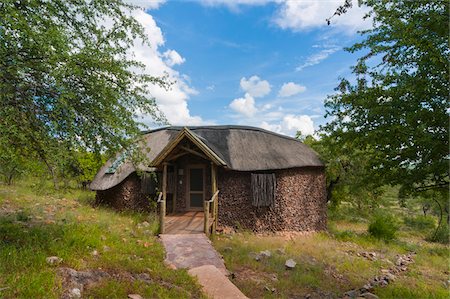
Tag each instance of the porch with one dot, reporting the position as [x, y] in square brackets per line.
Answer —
[191, 222]
[189, 190]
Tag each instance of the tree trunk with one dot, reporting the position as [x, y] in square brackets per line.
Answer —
[330, 188]
[440, 219]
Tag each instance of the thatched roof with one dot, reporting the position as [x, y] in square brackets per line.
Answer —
[235, 147]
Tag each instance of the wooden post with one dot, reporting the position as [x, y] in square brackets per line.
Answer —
[216, 201]
[163, 202]
[206, 217]
[174, 194]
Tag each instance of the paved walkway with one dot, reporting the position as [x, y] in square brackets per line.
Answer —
[195, 252]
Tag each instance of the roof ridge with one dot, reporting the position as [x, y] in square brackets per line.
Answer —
[221, 127]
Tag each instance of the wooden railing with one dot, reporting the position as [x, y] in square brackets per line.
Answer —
[162, 212]
[211, 213]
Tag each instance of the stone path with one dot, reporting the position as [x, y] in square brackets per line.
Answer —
[189, 251]
[195, 252]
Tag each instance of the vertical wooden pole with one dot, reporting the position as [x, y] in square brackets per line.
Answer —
[175, 188]
[206, 217]
[163, 203]
[216, 201]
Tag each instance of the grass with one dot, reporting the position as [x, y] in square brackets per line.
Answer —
[36, 224]
[328, 264]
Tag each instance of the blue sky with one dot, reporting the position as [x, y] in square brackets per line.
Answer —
[263, 63]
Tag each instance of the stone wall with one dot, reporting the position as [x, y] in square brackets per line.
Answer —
[125, 196]
[300, 203]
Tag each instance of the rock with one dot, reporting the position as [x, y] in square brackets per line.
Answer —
[135, 296]
[106, 248]
[145, 224]
[369, 296]
[290, 264]
[265, 253]
[390, 277]
[367, 287]
[75, 293]
[53, 260]
[352, 293]
[94, 253]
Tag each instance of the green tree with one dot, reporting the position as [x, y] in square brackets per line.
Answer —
[67, 78]
[347, 179]
[398, 106]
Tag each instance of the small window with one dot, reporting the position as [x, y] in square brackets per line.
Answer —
[263, 189]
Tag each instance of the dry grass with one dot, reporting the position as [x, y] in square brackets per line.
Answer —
[328, 264]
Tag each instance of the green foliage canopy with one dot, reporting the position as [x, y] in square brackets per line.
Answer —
[67, 78]
[397, 109]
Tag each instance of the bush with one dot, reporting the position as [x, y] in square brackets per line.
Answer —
[421, 223]
[383, 226]
[442, 235]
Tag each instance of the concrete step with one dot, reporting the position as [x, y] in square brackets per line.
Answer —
[215, 284]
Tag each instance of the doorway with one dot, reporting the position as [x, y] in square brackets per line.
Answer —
[196, 188]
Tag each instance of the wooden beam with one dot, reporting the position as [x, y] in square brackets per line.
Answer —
[163, 203]
[176, 156]
[174, 194]
[206, 217]
[195, 152]
[216, 201]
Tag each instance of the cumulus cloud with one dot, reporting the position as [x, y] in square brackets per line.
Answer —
[305, 14]
[299, 15]
[290, 124]
[255, 87]
[171, 57]
[245, 106]
[173, 102]
[289, 89]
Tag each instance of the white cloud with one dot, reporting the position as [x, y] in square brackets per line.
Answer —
[317, 57]
[245, 106]
[174, 101]
[289, 89]
[290, 124]
[299, 15]
[255, 87]
[171, 57]
[306, 14]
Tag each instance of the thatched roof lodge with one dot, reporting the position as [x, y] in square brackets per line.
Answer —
[240, 176]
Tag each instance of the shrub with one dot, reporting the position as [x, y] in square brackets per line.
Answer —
[421, 223]
[383, 226]
[442, 235]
